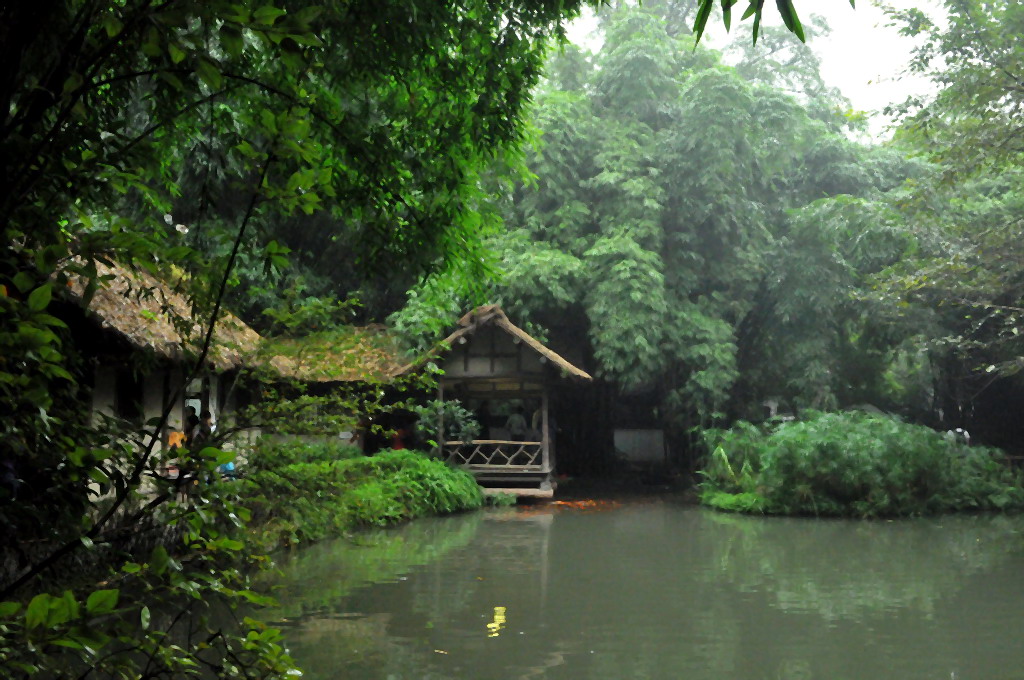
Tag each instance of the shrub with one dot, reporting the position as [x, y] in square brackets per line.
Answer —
[501, 500]
[272, 453]
[316, 498]
[853, 464]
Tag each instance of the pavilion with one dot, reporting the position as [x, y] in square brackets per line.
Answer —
[490, 361]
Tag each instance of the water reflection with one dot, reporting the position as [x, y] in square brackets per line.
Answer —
[849, 571]
[656, 590]
[313, 582]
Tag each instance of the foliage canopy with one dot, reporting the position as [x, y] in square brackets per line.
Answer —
[177, 137]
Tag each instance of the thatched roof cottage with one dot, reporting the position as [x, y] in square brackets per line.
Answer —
[142, 339]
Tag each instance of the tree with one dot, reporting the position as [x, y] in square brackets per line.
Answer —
[225, 113]
[659, 230]
[977, 64]
[818, 335]
[965, 211]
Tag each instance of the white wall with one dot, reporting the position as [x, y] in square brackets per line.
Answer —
[641, 446]
[104, 391]
[175, 419]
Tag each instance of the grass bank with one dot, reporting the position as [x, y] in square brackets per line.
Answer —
[298, 493]
[853, 465]
[154, 597]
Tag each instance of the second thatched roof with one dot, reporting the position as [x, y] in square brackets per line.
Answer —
[364, 353]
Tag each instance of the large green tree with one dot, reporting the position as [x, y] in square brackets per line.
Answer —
[965, 273]
[122, 120]
[659, 232]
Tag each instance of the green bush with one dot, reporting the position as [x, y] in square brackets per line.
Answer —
[501, 500]
[275, 453]
[853, 464]
[310, 500]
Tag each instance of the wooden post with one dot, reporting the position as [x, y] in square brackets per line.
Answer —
[545, 435]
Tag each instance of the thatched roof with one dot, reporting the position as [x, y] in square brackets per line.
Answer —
[149, 314]
[360, 354]
[494, 315]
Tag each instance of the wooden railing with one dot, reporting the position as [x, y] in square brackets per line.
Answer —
[495, 453]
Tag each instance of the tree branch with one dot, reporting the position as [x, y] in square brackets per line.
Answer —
[134, 479]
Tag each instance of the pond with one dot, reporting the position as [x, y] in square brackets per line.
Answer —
[656, 589]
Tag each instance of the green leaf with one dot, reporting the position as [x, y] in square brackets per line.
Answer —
[55, 371]
[77, 455]
[790, 18]
[208, 452]
[73, 82]
[151, 43]
[268, 14]
[171, 79]
[99, 476]
[159, 559]
[38, 608]
[102, 601]
[209, 73]
[144, 618]
[256, 598]
[68, 642]
[307, 14]
[70, 609]
[112, 25]
[50, 321]
[39, 299]
[9, 609]
[727, 13]
[701, 20]
[268, 120]
[232, 41]
[23, 282]
[177, 54]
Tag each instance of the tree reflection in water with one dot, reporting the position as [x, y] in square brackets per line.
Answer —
[657, 590]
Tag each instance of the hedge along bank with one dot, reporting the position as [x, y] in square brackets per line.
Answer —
[856, 465]
[297, 493]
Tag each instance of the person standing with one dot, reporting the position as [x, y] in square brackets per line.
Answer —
[516, 425]
[202, 433]
[191, 422]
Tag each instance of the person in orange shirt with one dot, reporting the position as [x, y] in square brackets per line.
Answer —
[175, 442]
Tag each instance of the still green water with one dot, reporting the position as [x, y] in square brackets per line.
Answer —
[655, 589]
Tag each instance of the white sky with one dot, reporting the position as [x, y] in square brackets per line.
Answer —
[863, 57]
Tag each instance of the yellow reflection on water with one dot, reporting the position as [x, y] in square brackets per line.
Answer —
[495, 626]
